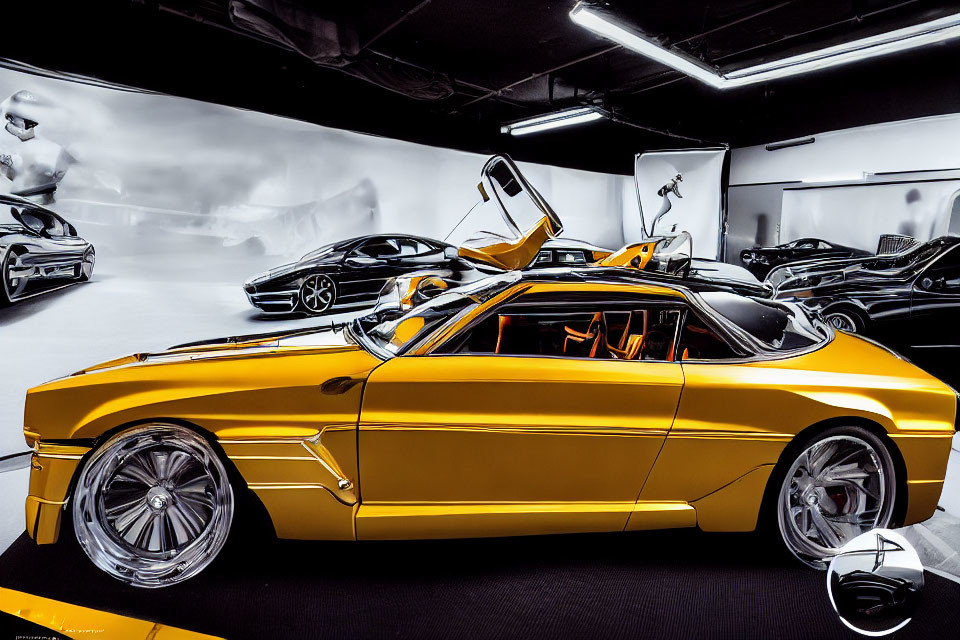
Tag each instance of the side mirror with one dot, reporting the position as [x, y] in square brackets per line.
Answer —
[361, 261]
[451, 253]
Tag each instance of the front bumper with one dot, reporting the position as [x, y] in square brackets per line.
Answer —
[52, 468]
[283, 301]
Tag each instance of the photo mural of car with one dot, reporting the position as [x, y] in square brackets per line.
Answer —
[531, 402]
[909, 301]
[760, 260]
[519, 230]
[39, 251]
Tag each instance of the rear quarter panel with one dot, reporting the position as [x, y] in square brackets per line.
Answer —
[734, 421]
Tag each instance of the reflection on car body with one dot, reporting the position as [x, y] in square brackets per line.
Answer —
[760, 260]
[909, 301]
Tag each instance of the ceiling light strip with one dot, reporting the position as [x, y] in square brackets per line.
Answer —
[927, 33]
[565, 118]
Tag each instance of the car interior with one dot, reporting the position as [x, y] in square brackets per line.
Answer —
[603, 332]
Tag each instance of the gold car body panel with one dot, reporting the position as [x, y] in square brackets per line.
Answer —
[497, 430]
[512, 255]
[641, 252]
[285, 416]
[734, 418]
[52, 469]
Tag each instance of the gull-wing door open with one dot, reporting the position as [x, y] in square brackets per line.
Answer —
[681, 190]
[507, 228]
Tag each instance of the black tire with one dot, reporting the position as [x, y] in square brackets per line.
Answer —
[784, 513]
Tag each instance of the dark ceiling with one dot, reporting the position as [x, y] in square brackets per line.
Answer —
[450, 72]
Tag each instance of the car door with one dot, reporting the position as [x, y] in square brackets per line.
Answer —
[366, 269]
[935, 306]
[481, 438]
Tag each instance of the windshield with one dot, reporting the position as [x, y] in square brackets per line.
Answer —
[393, 336]
[328, 248]
[778, 326]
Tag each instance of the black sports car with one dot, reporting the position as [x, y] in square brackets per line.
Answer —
[348, 275]
[909, 301]
[39, 250]
[760, 260]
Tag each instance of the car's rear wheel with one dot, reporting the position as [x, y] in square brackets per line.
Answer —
[845, 320]
[153, 505]
[317, 293]
[838, 485]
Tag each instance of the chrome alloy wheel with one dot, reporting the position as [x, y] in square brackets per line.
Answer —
[153, 506]
[843, 321]
[16, 275]
[317, 293]
[836, 489]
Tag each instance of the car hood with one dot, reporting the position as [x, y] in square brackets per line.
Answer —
[283, 384]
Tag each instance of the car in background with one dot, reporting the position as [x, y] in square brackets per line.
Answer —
[530, 402]
[347, 275]
[760, 260]
[39, 251]
[909, 301]
[512, 227]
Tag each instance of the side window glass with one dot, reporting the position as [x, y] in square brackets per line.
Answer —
[411, 247]
[700, 342]
[603, 332]
[944, 274]
[380, 248]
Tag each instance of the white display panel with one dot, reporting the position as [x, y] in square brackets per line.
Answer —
[699, 209]
[184, 200]
[857, 215]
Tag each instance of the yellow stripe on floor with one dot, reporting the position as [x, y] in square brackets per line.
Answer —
[75, 621]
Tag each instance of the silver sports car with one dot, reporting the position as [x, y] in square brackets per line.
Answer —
[39, 251]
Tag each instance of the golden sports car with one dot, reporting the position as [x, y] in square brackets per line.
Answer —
[595, 399]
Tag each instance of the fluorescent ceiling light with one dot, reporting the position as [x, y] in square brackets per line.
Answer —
[565, 118]
[882, 44]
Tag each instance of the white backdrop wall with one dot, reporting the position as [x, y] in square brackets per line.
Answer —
[848, 186]
[921, 144]
[184, 200]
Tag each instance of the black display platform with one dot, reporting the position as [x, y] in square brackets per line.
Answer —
[675, 584]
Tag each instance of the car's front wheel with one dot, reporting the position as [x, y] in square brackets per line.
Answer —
[153, 505]
[317, 294]
[838, 485]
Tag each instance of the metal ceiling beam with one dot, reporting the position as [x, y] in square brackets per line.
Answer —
[396, 23]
